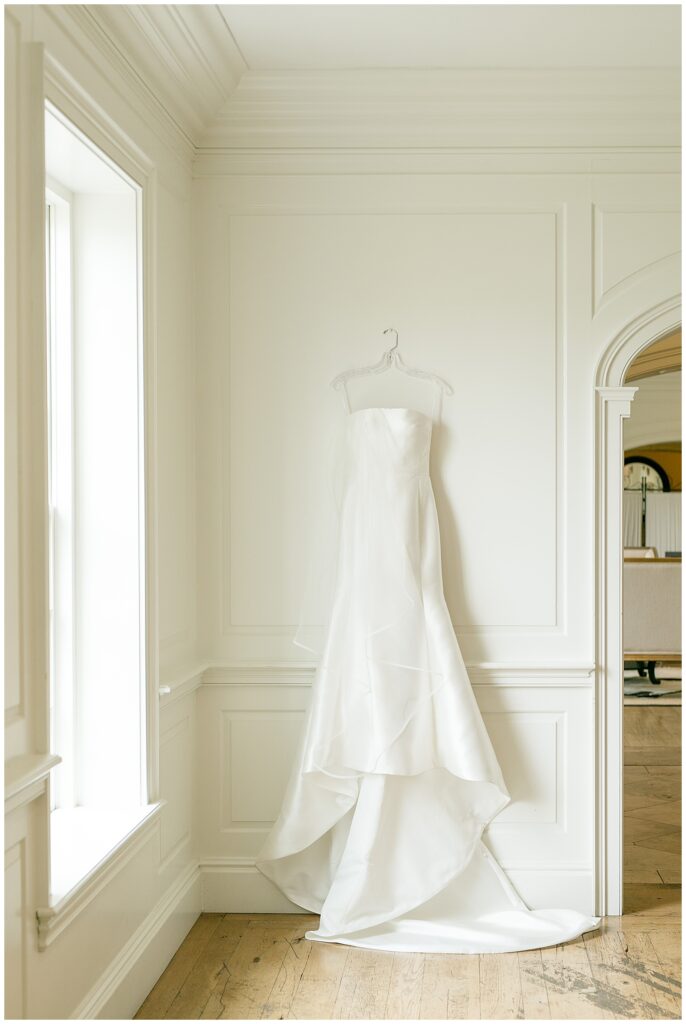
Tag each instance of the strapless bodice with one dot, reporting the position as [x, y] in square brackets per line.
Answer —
[389, 443]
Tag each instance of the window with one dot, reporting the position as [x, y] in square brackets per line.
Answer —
[96, 503]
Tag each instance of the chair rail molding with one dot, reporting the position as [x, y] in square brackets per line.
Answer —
[612, 406]
[482, 672]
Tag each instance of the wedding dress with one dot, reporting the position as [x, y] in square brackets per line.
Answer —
[395, 778]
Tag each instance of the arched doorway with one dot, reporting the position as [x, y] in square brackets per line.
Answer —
[612, 404]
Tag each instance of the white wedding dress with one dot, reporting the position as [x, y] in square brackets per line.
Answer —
[395, 779]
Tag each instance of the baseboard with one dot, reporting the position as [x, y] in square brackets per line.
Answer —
[567, 888]
[235, 886]
[127, 981]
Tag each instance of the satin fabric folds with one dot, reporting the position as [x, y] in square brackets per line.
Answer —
[395, 778]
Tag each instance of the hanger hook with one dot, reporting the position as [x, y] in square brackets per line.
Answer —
[395, 345]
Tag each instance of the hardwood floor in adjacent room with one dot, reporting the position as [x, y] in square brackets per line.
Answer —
[252, 966]
[652, 795]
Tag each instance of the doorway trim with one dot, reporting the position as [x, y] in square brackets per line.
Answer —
[612, 405]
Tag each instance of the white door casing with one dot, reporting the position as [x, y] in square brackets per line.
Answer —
[613, 404]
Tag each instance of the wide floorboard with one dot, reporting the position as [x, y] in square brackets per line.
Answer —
[260, 966]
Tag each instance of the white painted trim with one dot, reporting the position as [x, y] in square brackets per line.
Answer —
[29, 718]
[26, 778]
[612, 405]
[464, 108]
[582, 160]
[54, 919]
[256, 672]
[184, 58]
[222, 106]
[89, 36]
[184, 685]
[129, 978]
[650, 325]
[534, 674]
[233, 885]
[497, 674]
[68, 97]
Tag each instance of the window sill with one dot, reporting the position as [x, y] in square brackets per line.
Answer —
[88, 847]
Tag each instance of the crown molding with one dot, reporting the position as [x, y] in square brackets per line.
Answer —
[95, 42]
[463, 109]
[181, 58]
[183, 65]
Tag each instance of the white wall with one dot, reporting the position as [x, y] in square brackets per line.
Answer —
[105, 959]
[508, 282]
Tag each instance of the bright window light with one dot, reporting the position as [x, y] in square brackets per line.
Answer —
[96, 507]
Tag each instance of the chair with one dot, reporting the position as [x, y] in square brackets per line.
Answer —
[640, 552]
[652, 612]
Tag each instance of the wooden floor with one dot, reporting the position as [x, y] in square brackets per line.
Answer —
[652, 795]
[251, 966]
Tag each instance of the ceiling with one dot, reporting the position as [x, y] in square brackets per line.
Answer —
[320, 36]
[250, 76]
[663, 356]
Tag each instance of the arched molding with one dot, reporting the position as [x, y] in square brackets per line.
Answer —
[612, 405]
[638, 334]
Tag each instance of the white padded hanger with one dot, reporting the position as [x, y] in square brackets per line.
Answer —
[389, 359]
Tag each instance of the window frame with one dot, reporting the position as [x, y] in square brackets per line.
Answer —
[97, 130]
[59, 347]
[60, 336]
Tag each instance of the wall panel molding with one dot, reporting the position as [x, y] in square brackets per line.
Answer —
[244, 789]
[245, 637]
[630, 240]
[539, 725]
